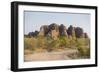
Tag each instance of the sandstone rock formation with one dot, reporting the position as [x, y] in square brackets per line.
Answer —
[62, 30]
[71, 30]
[55, 30]
[79, 32]
[43, 30]
[33, 34]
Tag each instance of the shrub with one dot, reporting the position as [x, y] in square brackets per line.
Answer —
[84, 52]
[29, 43]
[51, 44]
[83, 41]
[64, 41]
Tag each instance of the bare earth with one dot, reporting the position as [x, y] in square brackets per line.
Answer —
[44, 56]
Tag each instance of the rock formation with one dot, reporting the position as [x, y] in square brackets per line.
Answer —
[79, 32]
[62, 30]
[71, 30]
[33, 34]
[54, 30]
[43, 30]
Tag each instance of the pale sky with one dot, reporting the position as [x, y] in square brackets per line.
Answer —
[33, 20]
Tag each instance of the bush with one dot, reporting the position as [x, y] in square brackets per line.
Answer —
[29, 43]
[84, 52]
[51, 44]
[83, 41]
[63, 41]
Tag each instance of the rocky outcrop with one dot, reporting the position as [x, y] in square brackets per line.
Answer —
[54, 30]
[43, 30]
[33, 34]
[50, 30]
[62, 30]
[71, 30]
[79, 32]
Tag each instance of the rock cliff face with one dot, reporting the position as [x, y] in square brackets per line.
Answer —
[79, 32]
[71, 30]
[54, 30]
[63, 30]
[43, 30]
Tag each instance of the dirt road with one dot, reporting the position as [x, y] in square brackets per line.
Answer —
[63, 55]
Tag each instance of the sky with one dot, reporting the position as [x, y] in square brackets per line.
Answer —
[33, 20]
